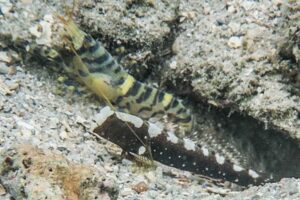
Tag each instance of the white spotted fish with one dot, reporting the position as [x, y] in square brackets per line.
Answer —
[167, 148]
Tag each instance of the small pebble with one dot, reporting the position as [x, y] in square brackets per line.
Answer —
[26, 133]
[24, 125]
[140, 187]
[231, 9]
[5, 57]
[2, 190]
[234, 27]
[63, 135]
[80, 120]
[4, 69]
[173, 64]
[13, 86]
[151, 175]
[126, 192]
[234, 42]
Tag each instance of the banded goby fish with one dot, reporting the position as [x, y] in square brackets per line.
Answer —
[89, 62]
[169, 149]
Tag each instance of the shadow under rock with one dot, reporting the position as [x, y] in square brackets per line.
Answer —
[264, 150]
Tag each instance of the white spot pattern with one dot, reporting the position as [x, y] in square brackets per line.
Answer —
[220, 159]
[205, 151]
[189, 144]
[102, 116]
[238, 168]
[136, 121]
[154, 130]
[172, 137]
[253, 174]
[141, 150]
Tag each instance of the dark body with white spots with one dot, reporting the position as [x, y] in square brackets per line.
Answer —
[174, 151]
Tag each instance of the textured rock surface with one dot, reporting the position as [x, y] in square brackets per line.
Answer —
[229, 53]
[30, 173]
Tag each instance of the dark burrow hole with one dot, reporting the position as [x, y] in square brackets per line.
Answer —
[265, 150]
[262, 149]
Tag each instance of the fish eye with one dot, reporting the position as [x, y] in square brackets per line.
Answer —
[87, 40]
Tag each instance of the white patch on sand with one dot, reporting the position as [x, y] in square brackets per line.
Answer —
[253, 174]
[220, 159]
[136, 121]
[154, 130]
[238, 168]
[172, 137]
[141, 150]
[189, 144]
[205, 151]
[105, 113]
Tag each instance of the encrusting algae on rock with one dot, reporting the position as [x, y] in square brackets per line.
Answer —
[45, 175]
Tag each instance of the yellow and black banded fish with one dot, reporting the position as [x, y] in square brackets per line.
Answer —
[92, 65]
